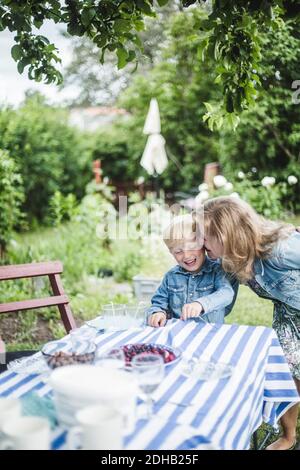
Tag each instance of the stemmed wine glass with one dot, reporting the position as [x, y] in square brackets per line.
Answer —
[149, 370]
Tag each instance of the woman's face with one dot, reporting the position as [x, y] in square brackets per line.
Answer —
[213, 247]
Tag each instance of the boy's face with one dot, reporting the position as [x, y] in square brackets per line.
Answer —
[189, 254]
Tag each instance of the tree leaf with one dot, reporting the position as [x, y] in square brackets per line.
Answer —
[21, 65]
[87, 15]
[16, 52]
[122, 55]
[145, 7]
[121, 25]
[208, 107]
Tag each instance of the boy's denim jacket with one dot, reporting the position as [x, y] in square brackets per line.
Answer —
[209, 286]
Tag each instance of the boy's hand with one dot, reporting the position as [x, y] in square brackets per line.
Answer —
[157, 319]
[191, 310]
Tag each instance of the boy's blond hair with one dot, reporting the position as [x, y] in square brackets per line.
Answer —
[182, 228]
[244, 234]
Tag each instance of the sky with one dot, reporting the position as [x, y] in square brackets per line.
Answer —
[13, 85]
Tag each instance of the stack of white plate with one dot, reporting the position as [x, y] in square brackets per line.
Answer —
[78, 386]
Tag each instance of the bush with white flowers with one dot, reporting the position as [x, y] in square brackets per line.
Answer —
[292, 180]
[267, 196]
[220, 181]
[268, 181]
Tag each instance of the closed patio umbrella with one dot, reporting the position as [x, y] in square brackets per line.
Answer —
[154, 158]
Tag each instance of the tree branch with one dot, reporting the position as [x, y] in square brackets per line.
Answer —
[279, 142]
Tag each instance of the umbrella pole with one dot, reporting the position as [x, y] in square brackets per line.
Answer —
[156, 185]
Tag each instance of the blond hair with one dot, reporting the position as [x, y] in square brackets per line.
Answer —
[244, 234]
[182, 227]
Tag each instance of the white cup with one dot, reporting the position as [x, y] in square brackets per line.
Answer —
[10, 408]
[100, 428]
[26, 433]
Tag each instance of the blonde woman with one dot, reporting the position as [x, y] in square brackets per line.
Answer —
[265, 256]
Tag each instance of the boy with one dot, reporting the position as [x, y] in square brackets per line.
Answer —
[196, 285]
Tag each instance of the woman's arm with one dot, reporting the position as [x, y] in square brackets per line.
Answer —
[289, 252]
[221, 298]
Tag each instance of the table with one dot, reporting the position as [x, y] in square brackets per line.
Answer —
[222, 414]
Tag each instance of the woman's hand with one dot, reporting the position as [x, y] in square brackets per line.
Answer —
[157, 319]
[191, 310]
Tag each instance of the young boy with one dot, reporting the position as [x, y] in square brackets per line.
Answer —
[196, 285]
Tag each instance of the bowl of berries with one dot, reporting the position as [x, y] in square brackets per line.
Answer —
[57, 355]
[170, 355]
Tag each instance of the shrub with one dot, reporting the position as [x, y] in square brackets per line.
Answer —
[11, 198]
[265, 196]
[51, 155]
[62, 208]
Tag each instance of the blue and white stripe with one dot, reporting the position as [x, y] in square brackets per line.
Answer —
[224, 413]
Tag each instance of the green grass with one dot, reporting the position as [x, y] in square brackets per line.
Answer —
[250, 309]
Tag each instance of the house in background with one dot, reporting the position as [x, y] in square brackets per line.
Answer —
[93, 118]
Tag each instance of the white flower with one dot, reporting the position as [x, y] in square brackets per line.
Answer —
[106, 180]
[228, 186]
[140, 180]
[203, 187]
[254, 169]
[234, 195]
[277, 75]
[201, 197]
[241, 175]
[292, 180]
[219, 181]
[268, 181]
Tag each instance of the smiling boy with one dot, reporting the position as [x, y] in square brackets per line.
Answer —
[196, 285]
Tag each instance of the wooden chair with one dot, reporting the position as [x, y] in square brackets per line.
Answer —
[52, 269]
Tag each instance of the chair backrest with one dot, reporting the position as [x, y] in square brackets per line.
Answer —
[52, 269]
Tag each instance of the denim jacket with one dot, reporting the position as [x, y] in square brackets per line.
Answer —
[209, 287]
[279, 275]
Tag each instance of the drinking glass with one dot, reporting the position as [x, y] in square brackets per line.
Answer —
[136, 314]
[149, 371]
[113, 315]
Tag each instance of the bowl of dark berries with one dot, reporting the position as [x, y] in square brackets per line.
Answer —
[169, 355]
[56, 354]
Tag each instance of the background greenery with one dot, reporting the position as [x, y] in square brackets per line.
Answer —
[49, 153]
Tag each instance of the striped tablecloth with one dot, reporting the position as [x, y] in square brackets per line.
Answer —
[224, 413]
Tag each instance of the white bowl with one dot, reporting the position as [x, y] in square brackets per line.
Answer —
[75, 387]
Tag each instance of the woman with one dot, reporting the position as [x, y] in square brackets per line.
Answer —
[265, 256]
